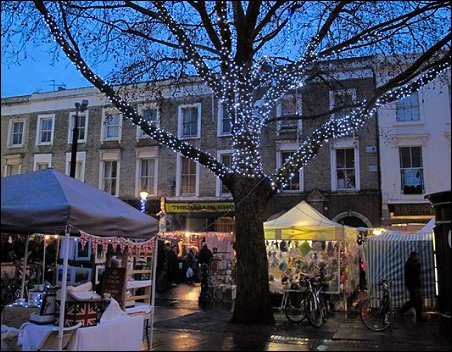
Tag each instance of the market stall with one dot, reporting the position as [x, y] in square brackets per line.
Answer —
[385, 257]
[50, 202]
[304, 242]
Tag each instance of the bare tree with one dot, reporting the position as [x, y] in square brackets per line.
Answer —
[250, 53]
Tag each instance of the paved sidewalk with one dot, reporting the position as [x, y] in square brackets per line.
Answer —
[180, 325]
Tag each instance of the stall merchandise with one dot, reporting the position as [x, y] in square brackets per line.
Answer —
[59, 204]
[303, 242]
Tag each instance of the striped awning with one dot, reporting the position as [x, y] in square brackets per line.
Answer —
[385, 257]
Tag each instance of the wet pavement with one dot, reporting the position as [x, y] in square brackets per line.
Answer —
[181, 325]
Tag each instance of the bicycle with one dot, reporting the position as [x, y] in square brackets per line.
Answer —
[316, 304]
[293, 304]
[376, 313]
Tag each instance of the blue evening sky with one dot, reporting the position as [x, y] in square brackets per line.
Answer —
[36, 74]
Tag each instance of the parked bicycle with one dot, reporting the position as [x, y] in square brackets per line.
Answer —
[376, 313]
[293, 303]
[316, 303]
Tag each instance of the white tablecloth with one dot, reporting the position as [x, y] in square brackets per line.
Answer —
[123, 334]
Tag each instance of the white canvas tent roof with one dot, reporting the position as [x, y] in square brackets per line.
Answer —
[303, 222]
[46, 201]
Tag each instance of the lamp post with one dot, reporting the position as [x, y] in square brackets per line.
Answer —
[78, 108]
[143, 194]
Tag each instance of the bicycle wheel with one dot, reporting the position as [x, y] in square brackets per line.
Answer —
[375, 316]
[294, 309]
[314, 311]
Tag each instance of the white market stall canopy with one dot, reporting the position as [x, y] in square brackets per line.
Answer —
[46, 201]
[303, 222]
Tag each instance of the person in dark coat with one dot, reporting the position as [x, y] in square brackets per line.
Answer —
[412, 271]
[204, 255]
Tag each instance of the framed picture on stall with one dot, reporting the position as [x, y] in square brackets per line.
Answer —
[82, 275]
[69, 276]
[48, 304]
[83, 253]
[98, 274]
[100, 255]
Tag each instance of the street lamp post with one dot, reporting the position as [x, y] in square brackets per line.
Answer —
[78, 108]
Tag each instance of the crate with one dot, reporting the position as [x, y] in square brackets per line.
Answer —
[86, 312]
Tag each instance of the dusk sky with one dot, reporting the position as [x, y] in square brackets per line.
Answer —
[36, 74]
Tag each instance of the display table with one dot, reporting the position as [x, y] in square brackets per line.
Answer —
[122, 334]
[15, 316]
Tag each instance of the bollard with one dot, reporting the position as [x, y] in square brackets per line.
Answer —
[204, 296]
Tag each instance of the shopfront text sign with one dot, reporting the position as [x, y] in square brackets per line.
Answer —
[186, 207]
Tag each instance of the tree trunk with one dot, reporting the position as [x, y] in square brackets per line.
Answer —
[253, 303]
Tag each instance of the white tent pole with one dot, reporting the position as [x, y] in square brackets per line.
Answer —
[154, 267]
[63, 290]
[44, 261]
[24, 270]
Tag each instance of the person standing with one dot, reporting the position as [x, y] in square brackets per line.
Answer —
[412, 272]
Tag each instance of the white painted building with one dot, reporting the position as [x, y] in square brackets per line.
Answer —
[415, 153]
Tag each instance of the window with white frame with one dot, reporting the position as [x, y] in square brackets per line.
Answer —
[13, 165]
[224, 121]
[149, 113]
[111, 126]
[411, 170]
[345, 166]
[294, 183]
[290, 106]
[343, 99]
[16, 130]
[45, 130]
[189, 121]
[224, 157]
[187, 182]
[109, 172]
[80, 160]
[407, 109]
[82, 124]
[42, 161]
[146, 170]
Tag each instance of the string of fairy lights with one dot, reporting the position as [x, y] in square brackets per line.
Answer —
[234, 88]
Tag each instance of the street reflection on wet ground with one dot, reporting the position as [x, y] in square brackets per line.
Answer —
[181, 325]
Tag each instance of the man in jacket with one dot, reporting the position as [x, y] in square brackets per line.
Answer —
[412, 271]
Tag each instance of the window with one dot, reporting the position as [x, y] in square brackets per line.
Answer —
[16, 133]
[45, 130]
[342, 98]
[411, 170]
[13, 165]
[345, 165]
[147, 175]
[188, 171]
[225, 157]
[42, 161]
[290, 106]
[82, 125]
[146, 170]
[294, 182]
[111, 128]
[224, 121]
[151, 115]
[79, 165]
[407, 109]
[189, 121]
[109, 171]
[110, 175]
